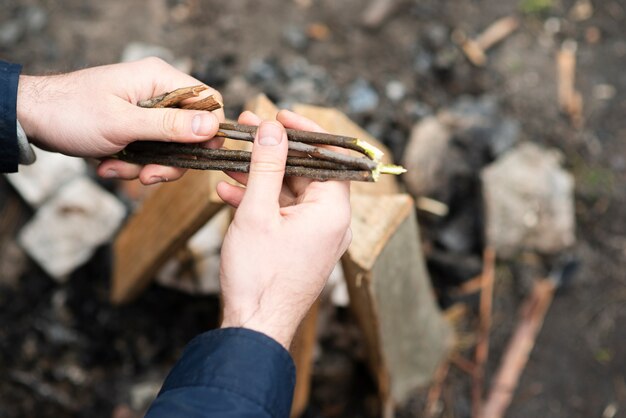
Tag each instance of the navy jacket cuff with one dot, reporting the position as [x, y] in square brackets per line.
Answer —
[240, 361]
[9, 78]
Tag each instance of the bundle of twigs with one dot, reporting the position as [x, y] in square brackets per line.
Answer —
[307, 157]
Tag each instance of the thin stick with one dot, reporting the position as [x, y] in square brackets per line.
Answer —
[434, 393]
[463, 364]
[306, 137]
[148, 148]
[244, 167]
[311, 150]
[482, 346]
[531, 317]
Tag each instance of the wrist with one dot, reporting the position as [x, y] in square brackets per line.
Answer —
[27, 113]
[278, 327]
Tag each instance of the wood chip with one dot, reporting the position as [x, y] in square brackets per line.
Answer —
[570, 100]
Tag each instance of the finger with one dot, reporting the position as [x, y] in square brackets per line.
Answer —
[292, 120]
[249, 118]
[165, 124]
[215, 143]
[153, 173]
[267, 169]
[346, 241]
[116, 169]
[332, 189]
[239, 177]
[232, 195]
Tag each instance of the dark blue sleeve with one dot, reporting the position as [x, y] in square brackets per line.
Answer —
[9, 77]
[227, 373]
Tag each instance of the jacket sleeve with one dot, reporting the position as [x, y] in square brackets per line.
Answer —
[9, 77]
[227, 373]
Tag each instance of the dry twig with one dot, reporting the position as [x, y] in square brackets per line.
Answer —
[531, 316]
[482, 346]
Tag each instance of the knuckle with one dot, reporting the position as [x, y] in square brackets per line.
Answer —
[171, 123]
[154, 62]
[267, 166]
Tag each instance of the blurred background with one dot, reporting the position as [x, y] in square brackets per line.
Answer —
[389, 65]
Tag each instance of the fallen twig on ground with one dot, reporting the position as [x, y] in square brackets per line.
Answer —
[570, 100]
[482, 346]
[434, 393]
[518, 350]
[475, 49]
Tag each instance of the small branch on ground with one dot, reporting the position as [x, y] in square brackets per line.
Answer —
[482, 346]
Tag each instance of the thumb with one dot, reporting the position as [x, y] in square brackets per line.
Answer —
[267, 169]
[170, 124]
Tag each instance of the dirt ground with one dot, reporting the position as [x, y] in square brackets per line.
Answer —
[87, 356]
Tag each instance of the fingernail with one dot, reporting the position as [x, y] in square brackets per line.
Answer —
[203, 123]
[110, 174]
[155, 179]
[270, 134]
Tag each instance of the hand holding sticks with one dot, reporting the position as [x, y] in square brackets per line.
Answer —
[307, 159]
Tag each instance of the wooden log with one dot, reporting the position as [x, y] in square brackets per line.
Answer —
[164, 223]
[391, 296]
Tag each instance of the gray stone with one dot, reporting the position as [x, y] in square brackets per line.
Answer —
[505, 136]
[66, 231]
[424, 156]
[37, 182]
[144, 393]
[199, 272]
[395, 91]
[11, 32]
[35, 18]
[529, 202]
[262, 71]
[295, 37]
[362, 97]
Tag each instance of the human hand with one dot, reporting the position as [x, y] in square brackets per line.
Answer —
[285, 238]
[93, 113]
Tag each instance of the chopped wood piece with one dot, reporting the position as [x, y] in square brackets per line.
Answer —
[570, 100]
[391, 296]
[517, 353]
[172, 98]
[433, 206]
[166, 220]
[209, 104]
[262, 107]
